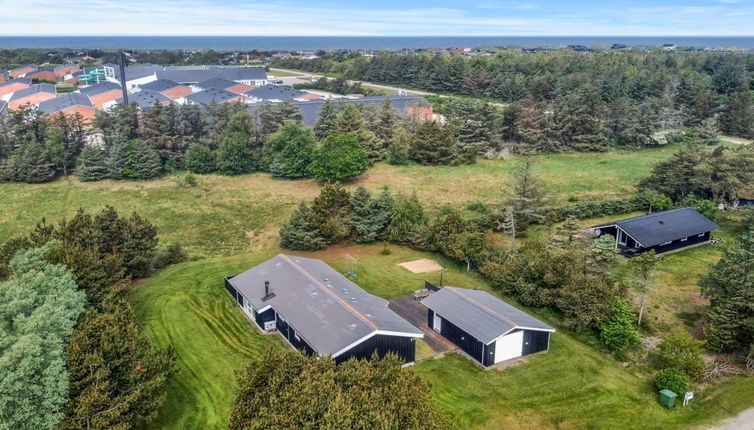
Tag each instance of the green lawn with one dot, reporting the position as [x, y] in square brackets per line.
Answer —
[573, 386]
[226, 215]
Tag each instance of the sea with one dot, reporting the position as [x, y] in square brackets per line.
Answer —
[306, 43]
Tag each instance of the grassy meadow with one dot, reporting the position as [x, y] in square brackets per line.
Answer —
[228, 224]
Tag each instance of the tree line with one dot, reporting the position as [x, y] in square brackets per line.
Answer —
[572, 101]
[73, 354]
[124, 143]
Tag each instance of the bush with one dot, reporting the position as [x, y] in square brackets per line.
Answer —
[673, 379]
[601, 208]
[171, 254]
[618, 332]
[681, 351]
[339, 157]
[187, 181]
[199, 159]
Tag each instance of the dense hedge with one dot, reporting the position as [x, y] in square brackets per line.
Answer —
[639, 202]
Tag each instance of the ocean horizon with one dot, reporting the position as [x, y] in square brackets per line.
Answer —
[271, 43]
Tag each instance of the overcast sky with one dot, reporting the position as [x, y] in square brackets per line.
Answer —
[378, 17]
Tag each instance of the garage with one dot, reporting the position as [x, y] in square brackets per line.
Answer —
[484, 327]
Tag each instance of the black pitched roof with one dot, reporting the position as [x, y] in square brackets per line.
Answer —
[274, 92]
[206, 97]
[328, 310]
[102, 87]
[38, 88]
[63, 102]
[664, 226]
[310, 109]
[217, 83]
[160, 85]
[146, 99]
[26, 81]
[480, 314]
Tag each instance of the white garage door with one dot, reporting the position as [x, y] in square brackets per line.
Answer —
[509, 346]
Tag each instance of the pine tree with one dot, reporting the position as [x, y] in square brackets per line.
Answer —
[730, 288]
[91, 164]
[385, 126]
[527, 199]
[709, 131]
[350, 122]
[369, 216]
[738, 117]
[397, 152]
[406, 217]
[29, 163]
[565, 235]
[300, 233]
[199, 159]
[327, 121]
[274, 116]
[133, 159]
[432, 144]
[332, 212]
[117, 377]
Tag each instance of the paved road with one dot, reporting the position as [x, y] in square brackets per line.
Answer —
[743, 421]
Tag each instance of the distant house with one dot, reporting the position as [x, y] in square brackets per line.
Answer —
[277, 93]
[485, 327]
[141, 74]
[43, 74]
[662, 231]
[19, 72]
[65, 70]
[222, 84]
[319, 311]
[102, 94]
[170, 89]
[10, 87]
[746, 199]
[669, 47]
[213, 95]
[145, 99]
[32, 95]
[70, 104]
[3, 75]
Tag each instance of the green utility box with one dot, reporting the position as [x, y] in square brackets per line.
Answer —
[667, 398]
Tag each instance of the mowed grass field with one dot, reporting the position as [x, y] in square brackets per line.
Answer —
[572, 387]
[229, 224]
[225, 215]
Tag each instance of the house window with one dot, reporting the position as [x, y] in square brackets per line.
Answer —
[701, 235]
[684, 239]
[667, 243]
[296, 335]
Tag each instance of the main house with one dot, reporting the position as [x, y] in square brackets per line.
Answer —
[485, 327]
[319, 311]
[662, 231]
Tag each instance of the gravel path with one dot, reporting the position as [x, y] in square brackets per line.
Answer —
[743, 421]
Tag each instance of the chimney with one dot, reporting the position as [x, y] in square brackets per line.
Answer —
[267, 294]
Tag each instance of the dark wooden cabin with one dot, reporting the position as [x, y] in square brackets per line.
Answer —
[319, 311]
[662, 231]
[485, 327]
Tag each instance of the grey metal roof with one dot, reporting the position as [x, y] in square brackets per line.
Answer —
[324, 307]
[26, 81]
[310, 109]
[480, 314]
[37, 88]
[64, 102]
[665, 226]
[160, 85]
[206, 97]
[102, 87]
[146, 99]
[218, 83]
[274, 92]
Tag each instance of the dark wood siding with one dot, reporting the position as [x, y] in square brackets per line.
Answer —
[288, 332]
[266, 316]
[489, 354]
[430, 318]
[404, 347]
[535, 341]
[679, 243]
[468, 343]
[232, 291]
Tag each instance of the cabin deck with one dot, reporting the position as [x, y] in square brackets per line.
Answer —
[414, 312]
